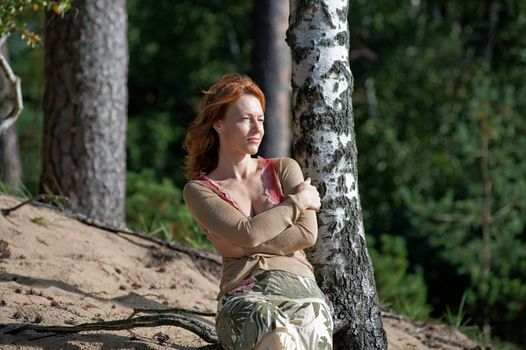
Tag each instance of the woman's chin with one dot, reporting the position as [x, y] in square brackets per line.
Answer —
[252, 149]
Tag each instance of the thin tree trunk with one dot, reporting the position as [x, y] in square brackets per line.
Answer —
[486, 228]
[10, 164]
[271, 71]
[486, 218]
[85, 107]
[325, 146]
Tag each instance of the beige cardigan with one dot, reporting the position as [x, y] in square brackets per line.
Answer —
[275, 238]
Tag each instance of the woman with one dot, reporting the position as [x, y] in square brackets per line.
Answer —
[259, 214]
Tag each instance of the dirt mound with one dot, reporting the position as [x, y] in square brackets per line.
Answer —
[55, 270]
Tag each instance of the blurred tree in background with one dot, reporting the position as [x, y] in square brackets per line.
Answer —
[85, 108]
[439, 109]
[271, 70]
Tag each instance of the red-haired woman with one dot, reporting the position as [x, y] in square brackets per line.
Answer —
[259, 214]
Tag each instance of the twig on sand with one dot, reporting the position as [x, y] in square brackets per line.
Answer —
[193, 325]
[6, 211]
[171, 310]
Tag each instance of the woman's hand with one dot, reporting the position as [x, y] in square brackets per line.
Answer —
[309, 194]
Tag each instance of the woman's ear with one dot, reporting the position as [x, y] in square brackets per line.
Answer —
[218, 127]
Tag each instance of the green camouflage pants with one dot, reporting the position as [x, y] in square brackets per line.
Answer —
[275, 310]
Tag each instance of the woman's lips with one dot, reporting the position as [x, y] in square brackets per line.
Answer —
[253, 139]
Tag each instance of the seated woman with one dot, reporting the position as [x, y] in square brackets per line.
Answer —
[259, 214]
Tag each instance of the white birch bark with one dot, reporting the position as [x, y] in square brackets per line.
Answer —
[325, 147]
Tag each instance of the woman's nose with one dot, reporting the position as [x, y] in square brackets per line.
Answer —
[256, 125]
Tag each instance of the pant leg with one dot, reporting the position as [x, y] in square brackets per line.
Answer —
[305, 306]
[280, 311]
[244, 319]
[280, 339]
[312, 320]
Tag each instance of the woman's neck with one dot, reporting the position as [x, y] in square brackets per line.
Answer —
[233, 166]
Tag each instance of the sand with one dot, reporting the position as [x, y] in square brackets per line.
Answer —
[55, 270]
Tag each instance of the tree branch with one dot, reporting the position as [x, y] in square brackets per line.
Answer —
[17, 84]
[193, 325]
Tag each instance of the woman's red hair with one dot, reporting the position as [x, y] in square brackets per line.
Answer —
[201, 141]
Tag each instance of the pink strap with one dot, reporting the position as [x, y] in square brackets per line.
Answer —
[270, 183]
[272, 188]
[217, 190]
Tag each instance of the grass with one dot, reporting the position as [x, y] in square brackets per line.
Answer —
[458, 319]
[39, 220]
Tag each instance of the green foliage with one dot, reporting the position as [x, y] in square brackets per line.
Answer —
[155, 207]
[457, 319]
[445, 76]
[12, 16]
[178, 49]
[398, 288]
[461, 322]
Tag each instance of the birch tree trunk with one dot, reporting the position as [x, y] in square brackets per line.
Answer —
[10, 163]
[325, 147]
[85, 107]
[271, 71]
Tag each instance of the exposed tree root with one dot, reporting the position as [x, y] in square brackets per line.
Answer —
[172, 310]
[195, 326]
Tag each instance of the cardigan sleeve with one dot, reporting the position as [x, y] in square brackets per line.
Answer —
[304, 232]
[214, 214]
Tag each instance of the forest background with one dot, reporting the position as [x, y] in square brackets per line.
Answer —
[439, 102]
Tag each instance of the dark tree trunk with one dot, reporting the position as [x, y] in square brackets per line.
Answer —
[271, 71]
[325, 146]
[10, 164]
[85, 107]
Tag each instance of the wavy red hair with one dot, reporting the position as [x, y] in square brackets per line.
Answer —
[201, 141]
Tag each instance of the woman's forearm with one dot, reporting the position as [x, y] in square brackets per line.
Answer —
[300, 236]
[216, 215]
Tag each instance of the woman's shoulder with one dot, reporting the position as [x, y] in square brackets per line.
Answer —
[281, 160]
[284, 163]
[193, 187]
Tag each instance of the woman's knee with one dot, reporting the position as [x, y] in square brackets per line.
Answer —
[280, 338]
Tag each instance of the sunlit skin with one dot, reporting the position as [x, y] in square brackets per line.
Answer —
[240, 134]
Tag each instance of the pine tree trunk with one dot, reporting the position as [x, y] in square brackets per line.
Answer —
[10, 163]
[325, 146]
[271, 71]
[85, 107]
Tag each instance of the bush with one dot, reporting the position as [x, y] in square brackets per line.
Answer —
[398, 289]
[157, 208]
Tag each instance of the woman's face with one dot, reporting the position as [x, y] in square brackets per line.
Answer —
[241, 130]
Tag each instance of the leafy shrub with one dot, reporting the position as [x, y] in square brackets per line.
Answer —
[398, 288]
[157, 208]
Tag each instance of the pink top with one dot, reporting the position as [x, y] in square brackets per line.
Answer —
[269, 179]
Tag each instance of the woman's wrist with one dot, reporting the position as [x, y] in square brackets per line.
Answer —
[299, 201]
